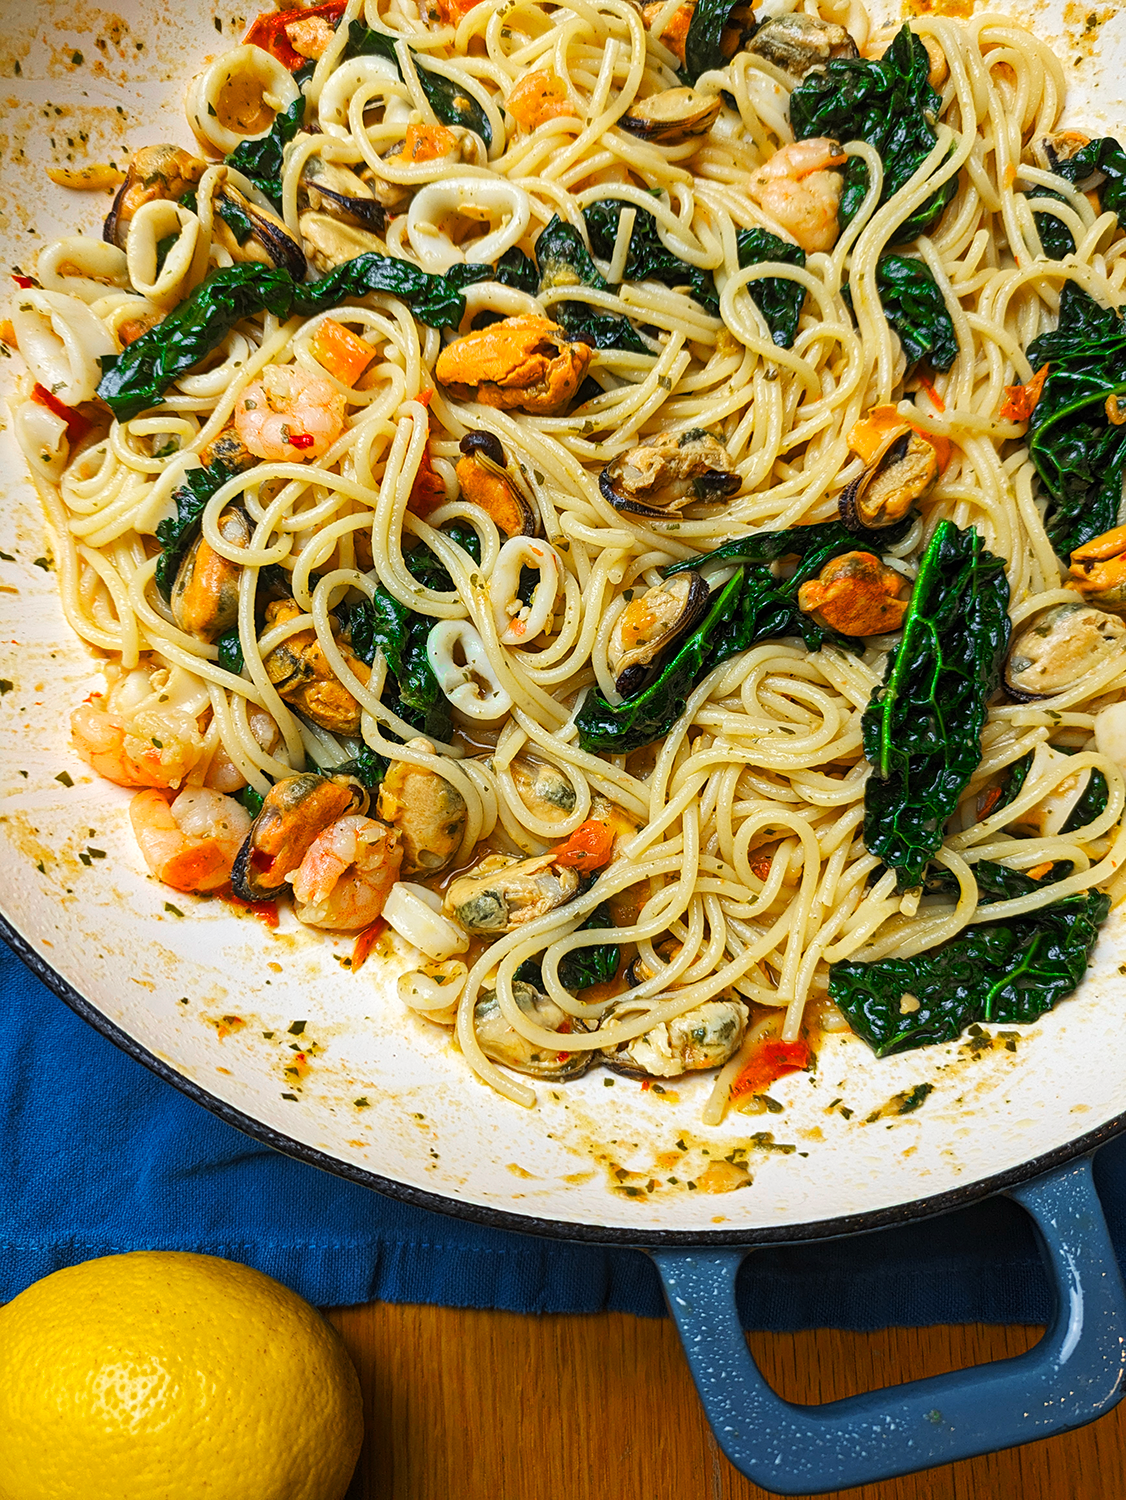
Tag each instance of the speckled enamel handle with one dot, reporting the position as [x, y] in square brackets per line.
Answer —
[1073, 1375]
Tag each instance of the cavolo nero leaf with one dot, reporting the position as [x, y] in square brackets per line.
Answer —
[1080, 455]
[914, 306]
[565, 261]
[137, 378]
[704, 46]
[424, 566]
[922, 727]
[1104, 159]
[886, 103]
[262, 160]
[176, 533]
[780, 301]
[582, 967]
[648, 259]
[1006, 972]
[451, 104]
[411, 690]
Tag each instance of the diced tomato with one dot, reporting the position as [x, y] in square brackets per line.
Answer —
[428, 490]
[455, 11]
[588, 848]
[268, 31]
[1021, 400]
[987, 803]
[771, 1059]
[366, 942]
[77, 426]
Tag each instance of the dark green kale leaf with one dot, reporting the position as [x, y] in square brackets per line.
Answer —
[367, 766]
[176, 533]
[582, 967]
[565, 261]
[648, 259]
[262, 160]
[230, 651]
[427, 569]
[451, 104]
[251, 800]
[652, 713]
[1006, 972]
[137, 379]
[780, 301]
[994, 882]
[922, 727]
[518, 270]
[795, 541]
[915, 307]
[1104, 159]
[1091, 804]
[1079, 453]
[888, 104]
[705, 46]
[411, 689]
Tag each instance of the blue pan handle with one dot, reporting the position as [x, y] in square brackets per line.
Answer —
[1073, 1375]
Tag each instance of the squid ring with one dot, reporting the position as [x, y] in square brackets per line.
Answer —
[472, 686]
[506, 207]
[519, 623]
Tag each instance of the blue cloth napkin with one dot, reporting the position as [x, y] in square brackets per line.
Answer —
[99, 1156]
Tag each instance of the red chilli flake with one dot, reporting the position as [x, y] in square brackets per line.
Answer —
[366, 942]
[23, 282]
[646, 1083]
[77, 425]
[301, 440]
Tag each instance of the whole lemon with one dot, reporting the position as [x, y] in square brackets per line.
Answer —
[161, 1375]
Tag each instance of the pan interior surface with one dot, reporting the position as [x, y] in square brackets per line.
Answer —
[275, 1027]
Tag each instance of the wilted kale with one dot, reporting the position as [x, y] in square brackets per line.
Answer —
[888, 104]
[411, 690]
[230, 651]
[648, 259]
[779, 300]
[518, 270]
[1104, 158]
[176, 533]
[922, 727]
[753, 606]
[262, 160]
[1007, 972]
[138, 378]
[994, 882]
[565, 261]
[704, 47]
[1079, 453]
[424, 566]
[367, 765]
[451, 104]
[915, 307]
[1091, 804]
[582, 967]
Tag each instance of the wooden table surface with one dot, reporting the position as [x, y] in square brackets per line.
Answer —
[498, 1406]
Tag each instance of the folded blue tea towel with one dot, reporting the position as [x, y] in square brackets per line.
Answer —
[98, 1155]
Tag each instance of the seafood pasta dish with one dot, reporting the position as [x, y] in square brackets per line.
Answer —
[619, 504]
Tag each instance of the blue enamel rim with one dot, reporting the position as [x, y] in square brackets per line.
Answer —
[558, 1229]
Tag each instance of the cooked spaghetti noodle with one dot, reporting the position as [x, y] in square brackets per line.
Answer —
[739, 869]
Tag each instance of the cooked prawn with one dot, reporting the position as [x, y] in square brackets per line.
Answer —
[189, 842]
[799, 192]
[288, 415]
[135, 735]
[347, 874]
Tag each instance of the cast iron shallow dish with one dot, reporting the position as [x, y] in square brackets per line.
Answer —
[209, 999]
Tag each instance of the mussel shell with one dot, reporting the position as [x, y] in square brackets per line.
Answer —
[672, 115]
[511, 1050]
[1083, 635]
[894, 451]
[269, 231]
[664, 452]
[484, 442]
[643, 661]
[293, 813]
[502, 893]
[726, 1019]
[368, 212]
[428, 811]
[797, 43]
[205, 596]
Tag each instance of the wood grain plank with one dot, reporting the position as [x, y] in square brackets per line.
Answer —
[497, 1406]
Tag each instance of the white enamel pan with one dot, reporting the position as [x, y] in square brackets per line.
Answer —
[207, 997]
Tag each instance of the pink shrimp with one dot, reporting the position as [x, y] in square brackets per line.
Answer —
[189, 842]
[347, 874]
[799, 192]
[287, 415]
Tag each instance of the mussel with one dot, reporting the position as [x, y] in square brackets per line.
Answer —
[661, 476]
[525, 363]
[300, 671]
[155, 172]
[902, 472]
[342, 195]
[293, 813]
[486, 481]
[856, 594]
[650, 624]
[797, 42]
[1059, 647]
[329, 242]
[429, 812]
[543, 788]
[205, 594]
[704, 1037]
[249, 232]
[637, 971]
[672, 115]
[1048, 151]
[1098, 570]
[504, 892]
[503, 1044]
